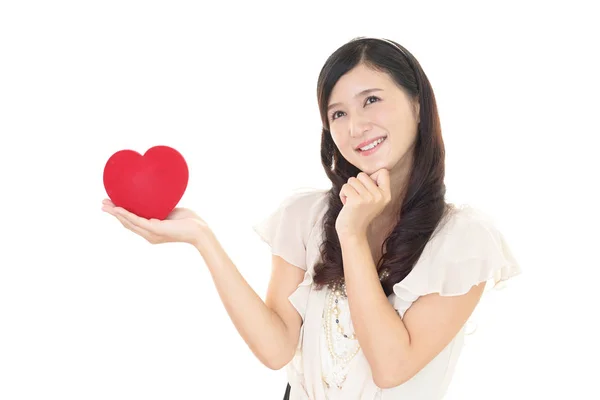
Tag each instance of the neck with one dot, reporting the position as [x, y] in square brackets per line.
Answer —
[399, 176]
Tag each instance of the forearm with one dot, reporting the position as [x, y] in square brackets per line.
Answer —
[261, 328]
[380, 331]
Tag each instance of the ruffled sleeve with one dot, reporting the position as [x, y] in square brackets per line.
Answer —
[289, 231]
[467, 250]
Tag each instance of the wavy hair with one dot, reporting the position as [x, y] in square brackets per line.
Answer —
[423, 205]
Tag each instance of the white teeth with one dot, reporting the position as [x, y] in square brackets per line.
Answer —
[372, 145]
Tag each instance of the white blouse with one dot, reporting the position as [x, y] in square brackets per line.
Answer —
[465, 250]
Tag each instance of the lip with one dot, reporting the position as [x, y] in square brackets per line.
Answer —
[366, 142]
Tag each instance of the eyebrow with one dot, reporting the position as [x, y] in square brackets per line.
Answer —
[364, 92]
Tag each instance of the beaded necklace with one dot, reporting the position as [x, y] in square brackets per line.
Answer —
[337, 294]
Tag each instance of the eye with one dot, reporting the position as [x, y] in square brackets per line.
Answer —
[374, 98]
[336, 114]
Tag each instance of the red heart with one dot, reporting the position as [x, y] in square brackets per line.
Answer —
[150, 185]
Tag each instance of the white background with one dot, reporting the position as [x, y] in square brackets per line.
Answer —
[88, 310]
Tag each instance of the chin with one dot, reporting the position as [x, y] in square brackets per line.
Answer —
[387, 164]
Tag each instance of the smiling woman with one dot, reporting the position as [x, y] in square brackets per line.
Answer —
[374, 279]
[379, 121]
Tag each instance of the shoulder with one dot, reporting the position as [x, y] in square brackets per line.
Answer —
[294, 218]
[287, 229]
[467, 248]
[466, 225]
[305, 202]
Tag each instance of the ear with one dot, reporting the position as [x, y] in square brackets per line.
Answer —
[417, 111]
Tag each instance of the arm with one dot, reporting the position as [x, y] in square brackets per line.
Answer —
[396, 348]
[271, 329]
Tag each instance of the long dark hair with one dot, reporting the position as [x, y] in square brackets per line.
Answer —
[424, 204]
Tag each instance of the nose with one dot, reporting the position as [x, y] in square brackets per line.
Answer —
[359, 124]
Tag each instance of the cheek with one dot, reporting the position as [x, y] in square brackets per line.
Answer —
[386, 116]
[398, 126]
[340, 140]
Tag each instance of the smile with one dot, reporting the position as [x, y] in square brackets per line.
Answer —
[371, 147]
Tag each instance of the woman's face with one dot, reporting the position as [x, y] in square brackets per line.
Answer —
[367, 108]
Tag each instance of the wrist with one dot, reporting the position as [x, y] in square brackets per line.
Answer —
[203, 238]
[352, 237]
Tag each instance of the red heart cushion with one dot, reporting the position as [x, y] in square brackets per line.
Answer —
[150, 185]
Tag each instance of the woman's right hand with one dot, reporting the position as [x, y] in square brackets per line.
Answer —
[182, 225]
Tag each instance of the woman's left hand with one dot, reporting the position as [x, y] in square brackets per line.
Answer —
[364, 198]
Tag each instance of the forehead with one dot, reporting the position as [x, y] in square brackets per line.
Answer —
[358, 79]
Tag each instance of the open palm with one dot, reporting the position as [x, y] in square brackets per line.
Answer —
[182, 224]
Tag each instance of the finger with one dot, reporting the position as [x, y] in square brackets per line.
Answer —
[127, 224]
[136, 229]
[382, 179]
[108, 206]
[359, 187]
[368, 183]
[347, 191]
[108, 209]
[135, 220]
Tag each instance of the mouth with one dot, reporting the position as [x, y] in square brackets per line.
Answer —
[367, 146]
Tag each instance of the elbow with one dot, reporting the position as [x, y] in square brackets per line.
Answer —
[395, 370]
[278, 354]
[277, 361]
[274, 365]
[388, 382]
[392, 378]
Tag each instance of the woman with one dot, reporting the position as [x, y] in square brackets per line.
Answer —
[374, 279]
